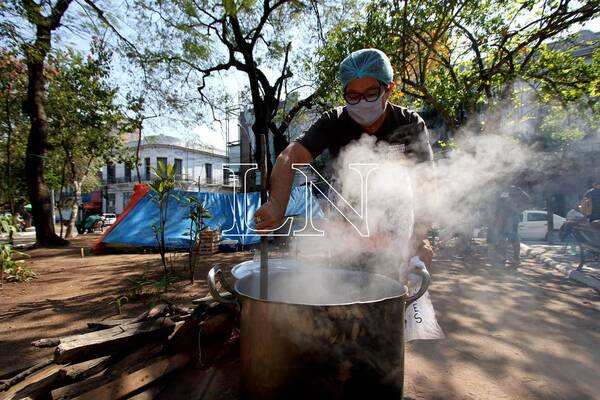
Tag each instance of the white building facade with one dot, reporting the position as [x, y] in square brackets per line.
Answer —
[197, 168]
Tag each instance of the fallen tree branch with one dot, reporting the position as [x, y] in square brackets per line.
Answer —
[46, 342]
[24, 374]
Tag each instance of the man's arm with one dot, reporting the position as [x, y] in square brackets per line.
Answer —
[270, 215]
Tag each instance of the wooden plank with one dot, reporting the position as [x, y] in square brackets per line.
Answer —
[110, 323]
[24, 373]
[132, 361]
[68, 391]
[13, 370]
[113, 340]
[150, 393]
[34, 385]
[134, 358]
[82, 370]
[129, 383]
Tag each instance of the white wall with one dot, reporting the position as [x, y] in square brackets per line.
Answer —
[193, 170]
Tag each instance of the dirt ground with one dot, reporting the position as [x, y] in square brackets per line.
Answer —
[527, 333]
[70, 291]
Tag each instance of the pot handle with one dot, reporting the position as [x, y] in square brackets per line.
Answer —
[217, 273]
[425, 280]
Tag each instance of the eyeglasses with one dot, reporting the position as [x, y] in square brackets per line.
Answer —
[370, 95]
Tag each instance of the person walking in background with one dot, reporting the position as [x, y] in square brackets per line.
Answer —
[590, 204]
[510, 204]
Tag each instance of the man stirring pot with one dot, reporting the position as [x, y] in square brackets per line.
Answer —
[367, 80]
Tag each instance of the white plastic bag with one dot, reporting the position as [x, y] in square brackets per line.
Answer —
[419, 318]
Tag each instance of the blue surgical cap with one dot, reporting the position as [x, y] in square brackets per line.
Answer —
[366, 62]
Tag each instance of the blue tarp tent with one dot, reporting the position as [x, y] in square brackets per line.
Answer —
[228, 211]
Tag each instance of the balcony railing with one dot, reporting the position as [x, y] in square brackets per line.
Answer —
[145, 178]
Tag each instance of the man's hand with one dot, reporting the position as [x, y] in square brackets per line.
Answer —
[269, 216]
[425, 253]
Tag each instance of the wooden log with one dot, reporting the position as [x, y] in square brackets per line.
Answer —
[175, 309]
[129, 362]
[208, 299]
[82, 370]
[140, 355]
[46, 342]
[69, 391]
[158, 310]
[108, 341]
[34, 385]
[25, 373]
[180, 318]
[150, 393]
[13, 370]
[110, 323]
[215, 331]
[129, 383]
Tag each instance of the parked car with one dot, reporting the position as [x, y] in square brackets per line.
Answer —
[109, 218]
[534, 224]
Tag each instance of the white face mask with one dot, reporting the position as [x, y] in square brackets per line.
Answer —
[365, 112]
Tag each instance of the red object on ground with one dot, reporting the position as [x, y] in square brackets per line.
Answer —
[95, 202]
[139, 191]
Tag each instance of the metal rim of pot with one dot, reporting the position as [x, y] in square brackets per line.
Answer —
[216, 274]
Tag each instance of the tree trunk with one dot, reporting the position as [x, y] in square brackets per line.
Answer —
[280, 142]
[60, 197]
[261, 126]
[71, 228]
[9, 131]
[137, 154]
[37, 142]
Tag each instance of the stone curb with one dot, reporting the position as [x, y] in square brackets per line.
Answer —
[570, 272]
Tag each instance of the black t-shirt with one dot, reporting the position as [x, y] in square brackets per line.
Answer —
[402, 128]
[594, 194]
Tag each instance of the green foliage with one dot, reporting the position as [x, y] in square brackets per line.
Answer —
[143, 284]
[12, 263]
[83, 114]
[460, 57]
[118, 301]
[197, 213]
[14, 127]
[195, 43]
[563, 124]
[162, 190]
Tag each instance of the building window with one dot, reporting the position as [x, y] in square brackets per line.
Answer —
[147, 164]
[208, 168]
[126, 198]
[110, 206]
[178, 168]
[110, 173]
[161, 160]
[127, 167]
[537, 216]
[226, 173]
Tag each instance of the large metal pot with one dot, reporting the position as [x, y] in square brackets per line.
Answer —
[322, 333]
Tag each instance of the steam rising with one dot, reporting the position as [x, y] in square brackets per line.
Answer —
[452, 194]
